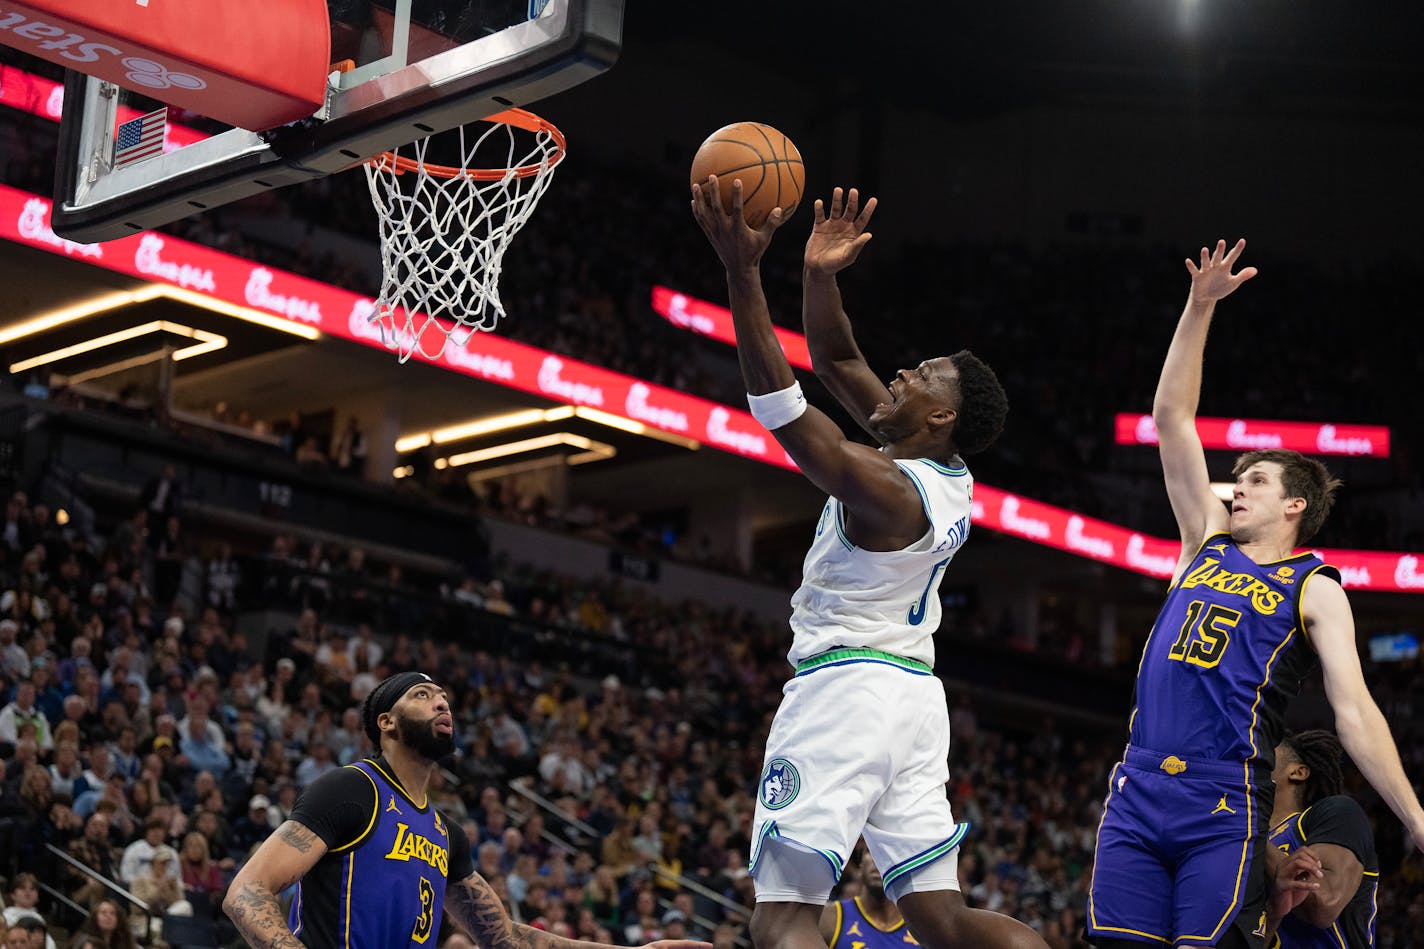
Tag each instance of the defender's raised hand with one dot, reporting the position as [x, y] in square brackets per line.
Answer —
[738, 245]
[837, 239]
[1213, 280]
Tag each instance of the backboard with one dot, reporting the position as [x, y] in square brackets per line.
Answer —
[412, 68]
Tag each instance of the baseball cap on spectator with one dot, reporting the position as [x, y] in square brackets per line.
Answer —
[258, 801]
[674, 916]
[162, 741]
[286, 663]
[174, 625]
[611, 682]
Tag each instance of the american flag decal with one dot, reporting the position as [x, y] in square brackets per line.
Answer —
[140, 138]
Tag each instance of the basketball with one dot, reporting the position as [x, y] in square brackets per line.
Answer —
[765, 160]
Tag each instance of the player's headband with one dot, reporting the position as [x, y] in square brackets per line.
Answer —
[384, 697]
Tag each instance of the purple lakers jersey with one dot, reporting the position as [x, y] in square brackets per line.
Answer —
[386, 887]
[1225, 657]
[854, 930]
[1341, 821]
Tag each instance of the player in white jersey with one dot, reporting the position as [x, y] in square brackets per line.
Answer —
[860, 742]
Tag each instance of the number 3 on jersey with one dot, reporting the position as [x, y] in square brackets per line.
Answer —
[426, 921]
[1205, 634]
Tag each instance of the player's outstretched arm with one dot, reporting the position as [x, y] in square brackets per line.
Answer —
[251, 902]
[886, 506]
[1174, 408]
[1360, 724]
[836, 241]
[477, 908]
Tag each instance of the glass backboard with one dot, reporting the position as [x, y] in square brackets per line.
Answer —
[402, 70]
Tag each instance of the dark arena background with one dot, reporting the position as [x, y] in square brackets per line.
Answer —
[211, 551]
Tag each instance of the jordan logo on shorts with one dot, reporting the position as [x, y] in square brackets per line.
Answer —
[1221, 806]
[780, 783]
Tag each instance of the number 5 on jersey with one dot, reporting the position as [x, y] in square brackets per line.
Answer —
[1205, 634]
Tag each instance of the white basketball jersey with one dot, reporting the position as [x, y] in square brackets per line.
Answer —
[882, 600]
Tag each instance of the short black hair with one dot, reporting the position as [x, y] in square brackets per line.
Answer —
[983, 404]
[1321, 752]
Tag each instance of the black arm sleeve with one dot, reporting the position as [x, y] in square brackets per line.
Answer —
[1340, 820]
[462, 862]
[337, 806]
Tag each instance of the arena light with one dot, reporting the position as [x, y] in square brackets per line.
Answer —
[629, 425]
[591, 450]
[207, 342]
[50, 319]
[526, 417]
[244, 313]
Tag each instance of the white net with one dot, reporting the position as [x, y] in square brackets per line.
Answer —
[445, 229]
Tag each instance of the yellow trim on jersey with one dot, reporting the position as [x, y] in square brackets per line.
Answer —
[375, 812]
[1339, 936]
[1246, 771]
[350, 872]
[866, 916]
[1092, 908]
[1300, 598]
[397, 785]
[840, 919]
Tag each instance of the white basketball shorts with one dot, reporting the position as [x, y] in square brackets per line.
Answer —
[859, 746]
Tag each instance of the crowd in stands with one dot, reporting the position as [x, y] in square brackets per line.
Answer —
[158, 741]
[1055, 321]
[148, 733]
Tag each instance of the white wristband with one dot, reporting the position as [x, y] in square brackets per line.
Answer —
[776, 409]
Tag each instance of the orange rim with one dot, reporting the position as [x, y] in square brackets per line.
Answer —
[519, 118]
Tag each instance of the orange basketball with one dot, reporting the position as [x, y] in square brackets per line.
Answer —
[766, 161]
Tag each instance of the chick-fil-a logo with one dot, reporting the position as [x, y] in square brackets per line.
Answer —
[33, 225]
[148, 260]
[258, 293]
[719, 432]
[638, 407]
[580, 393]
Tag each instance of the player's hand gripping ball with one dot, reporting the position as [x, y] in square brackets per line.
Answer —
[767, 163]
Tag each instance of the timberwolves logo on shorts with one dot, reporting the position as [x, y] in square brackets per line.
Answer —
[780, 784]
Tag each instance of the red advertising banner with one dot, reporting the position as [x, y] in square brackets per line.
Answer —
[709, 319]
[45, 98]
[1236, 434]
[24, 219]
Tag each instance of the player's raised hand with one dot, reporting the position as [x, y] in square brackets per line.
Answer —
[838, 237]
[1212, 279]
[738, 245]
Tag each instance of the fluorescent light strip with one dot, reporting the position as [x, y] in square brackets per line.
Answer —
[496, 423]
[247, 314]
[592, 450]
[112, 301]
[208, 343]
[78, 311]
[111, 368]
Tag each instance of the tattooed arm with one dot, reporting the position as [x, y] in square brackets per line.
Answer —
[251, 902]
[478, 910]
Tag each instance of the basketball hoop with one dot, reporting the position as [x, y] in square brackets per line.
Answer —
[445, 229]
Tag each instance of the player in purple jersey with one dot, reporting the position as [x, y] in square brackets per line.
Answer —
[868, 921]
[376, 863]
[1182, 856]
[1311, 810]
